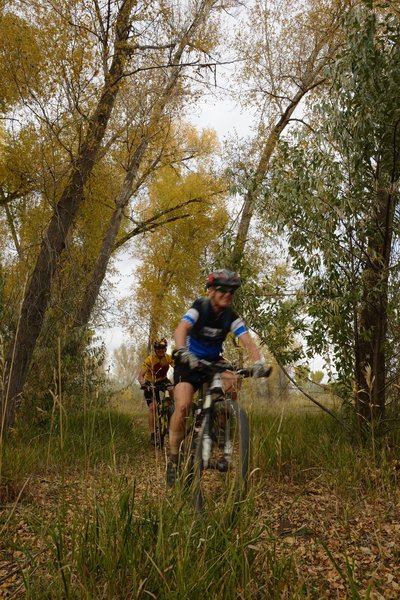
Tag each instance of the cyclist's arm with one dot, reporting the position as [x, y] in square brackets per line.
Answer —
[145, 370]
[141, 375]
[248, 343]
[181, 333]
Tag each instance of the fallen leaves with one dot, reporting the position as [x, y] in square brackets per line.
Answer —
[344, 542]
[332, 541]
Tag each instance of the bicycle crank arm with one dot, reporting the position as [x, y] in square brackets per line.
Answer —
[217, 465]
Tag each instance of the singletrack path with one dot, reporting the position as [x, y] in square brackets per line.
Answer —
[298, 522]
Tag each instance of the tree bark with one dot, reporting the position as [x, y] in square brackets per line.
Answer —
[38, 292]
[100, 268]
[371, 351]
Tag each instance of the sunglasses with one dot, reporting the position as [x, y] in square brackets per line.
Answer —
[224, 289]
[160, 347]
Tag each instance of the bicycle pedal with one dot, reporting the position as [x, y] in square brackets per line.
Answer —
[222, 465]
[214, 465]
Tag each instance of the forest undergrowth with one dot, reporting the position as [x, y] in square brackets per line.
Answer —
[85, 514]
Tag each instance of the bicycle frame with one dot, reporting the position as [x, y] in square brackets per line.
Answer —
[163, 405]
[213, 393]
[204, 447]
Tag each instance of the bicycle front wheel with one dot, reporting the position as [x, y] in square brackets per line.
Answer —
[220, 486]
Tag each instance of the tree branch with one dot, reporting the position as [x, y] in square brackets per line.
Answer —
[313, 400]
[150, 224]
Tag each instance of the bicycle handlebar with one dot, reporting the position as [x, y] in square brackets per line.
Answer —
[220, 367]
[156, 386]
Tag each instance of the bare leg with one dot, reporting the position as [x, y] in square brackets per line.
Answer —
[183, 401]
[231, 383]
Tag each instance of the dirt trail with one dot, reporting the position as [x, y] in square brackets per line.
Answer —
[299, 522]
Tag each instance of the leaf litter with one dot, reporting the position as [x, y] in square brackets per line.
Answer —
[331, 539]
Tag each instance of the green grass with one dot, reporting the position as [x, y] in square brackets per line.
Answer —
[81, 441]
[131, 543]
[304, 446]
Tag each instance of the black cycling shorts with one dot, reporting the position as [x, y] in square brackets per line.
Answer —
[196, 377]
[149, 393]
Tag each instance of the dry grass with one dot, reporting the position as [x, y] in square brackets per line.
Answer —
[321, 521]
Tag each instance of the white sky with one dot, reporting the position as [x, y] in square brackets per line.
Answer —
[223, 116]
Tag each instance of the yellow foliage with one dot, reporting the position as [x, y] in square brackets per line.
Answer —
[21, 58]
[172, 257]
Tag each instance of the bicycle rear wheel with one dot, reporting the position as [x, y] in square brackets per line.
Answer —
[162, 420]
[214, 490]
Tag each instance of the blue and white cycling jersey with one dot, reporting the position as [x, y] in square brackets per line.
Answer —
[209, 329]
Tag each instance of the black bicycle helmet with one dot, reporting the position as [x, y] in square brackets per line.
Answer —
[223, 277]
[160, 344]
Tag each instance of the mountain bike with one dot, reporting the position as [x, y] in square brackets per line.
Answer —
[163, 409]
[218, 444]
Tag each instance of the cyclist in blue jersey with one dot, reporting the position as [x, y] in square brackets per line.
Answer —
[200, 335]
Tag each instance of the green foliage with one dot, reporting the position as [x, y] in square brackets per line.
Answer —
[322, 191]
[71, 379]
[270, 305]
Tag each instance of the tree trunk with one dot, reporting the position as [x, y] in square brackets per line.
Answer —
[99, 271]
[38, 293]
[311, 79]
[100, 268]
[371, 351]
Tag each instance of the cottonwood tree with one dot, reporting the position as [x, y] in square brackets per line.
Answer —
[118, 36]
[172, 258]
[291, 44]
[126, 365]
[38, 291]
[92, 53]
[168, 92]
[336, 193]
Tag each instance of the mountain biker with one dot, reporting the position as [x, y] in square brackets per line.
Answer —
[154, 370]
[200, 335]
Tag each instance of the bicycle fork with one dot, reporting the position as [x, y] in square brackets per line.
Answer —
[206, 441]
[215, 389]
[228, 447]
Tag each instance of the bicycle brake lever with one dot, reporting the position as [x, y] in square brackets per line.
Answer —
[264, 373]
[248, 372]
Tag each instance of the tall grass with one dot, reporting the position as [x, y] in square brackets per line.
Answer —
[303, 446]
[85, 440]
[130, 541]
[153, 549]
